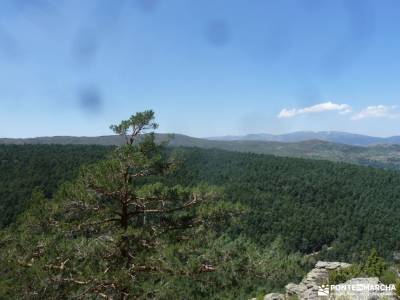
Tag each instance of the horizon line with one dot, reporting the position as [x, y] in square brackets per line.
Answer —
[213, 137]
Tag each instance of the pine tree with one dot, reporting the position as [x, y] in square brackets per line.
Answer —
[119, 231]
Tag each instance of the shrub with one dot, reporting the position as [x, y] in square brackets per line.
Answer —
[375, 265]
[398, 287]
[342, 275]
[388, 277]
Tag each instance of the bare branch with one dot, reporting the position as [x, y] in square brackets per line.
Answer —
[191, 203]
[101, 222]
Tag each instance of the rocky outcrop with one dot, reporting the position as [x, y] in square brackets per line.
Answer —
[308, 287]
[274, 296]
[313, 286]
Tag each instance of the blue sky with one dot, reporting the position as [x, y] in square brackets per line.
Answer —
[207, 68]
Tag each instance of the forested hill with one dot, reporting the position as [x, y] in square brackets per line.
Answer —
[26, 167]
[383, 156]
[312, 205]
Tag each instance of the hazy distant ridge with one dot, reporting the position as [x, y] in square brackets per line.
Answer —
[341, 147]
[300, 136]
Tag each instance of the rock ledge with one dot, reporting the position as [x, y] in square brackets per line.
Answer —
[308, 287]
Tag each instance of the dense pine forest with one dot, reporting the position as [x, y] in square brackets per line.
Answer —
[339, 209]
[312, 205]
[42, 167]
[147, 222]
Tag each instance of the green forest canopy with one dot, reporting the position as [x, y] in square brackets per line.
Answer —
[310, 204]
[290, 207]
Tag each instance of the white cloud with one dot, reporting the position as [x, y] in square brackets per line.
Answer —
[321, 107]
[377, 111]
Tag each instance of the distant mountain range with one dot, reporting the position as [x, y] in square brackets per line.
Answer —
[385, 155]
[337, 137]
[301, 136]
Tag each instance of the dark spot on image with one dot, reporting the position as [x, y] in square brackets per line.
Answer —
[85, 46]
[217, 33]
[90, 100]
[9, 47]
[147, 6]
